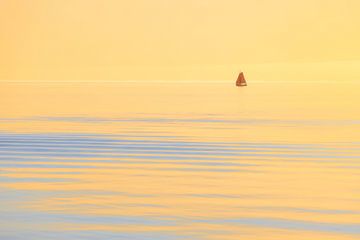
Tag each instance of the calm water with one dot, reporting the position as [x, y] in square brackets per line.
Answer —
[179, 161]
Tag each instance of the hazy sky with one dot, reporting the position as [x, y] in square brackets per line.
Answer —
[118, 39]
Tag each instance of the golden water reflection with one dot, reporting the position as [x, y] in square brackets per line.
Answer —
[179, 161]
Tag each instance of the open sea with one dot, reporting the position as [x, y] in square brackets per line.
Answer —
[172, 160]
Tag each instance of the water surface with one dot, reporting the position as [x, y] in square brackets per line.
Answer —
[179, 161]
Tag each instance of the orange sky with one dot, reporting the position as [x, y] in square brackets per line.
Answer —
[187, 39]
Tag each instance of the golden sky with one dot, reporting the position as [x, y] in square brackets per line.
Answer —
[178, 39]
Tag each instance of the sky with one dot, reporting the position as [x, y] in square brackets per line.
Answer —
[179, 39]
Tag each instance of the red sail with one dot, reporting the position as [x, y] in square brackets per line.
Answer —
[241, 80]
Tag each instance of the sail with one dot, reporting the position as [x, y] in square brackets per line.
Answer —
[241, 80]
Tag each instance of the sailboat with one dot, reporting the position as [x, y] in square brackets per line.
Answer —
[241, 82]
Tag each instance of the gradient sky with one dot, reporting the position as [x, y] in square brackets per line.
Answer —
[178, 39]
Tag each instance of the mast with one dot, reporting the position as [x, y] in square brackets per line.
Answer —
[240, 82]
